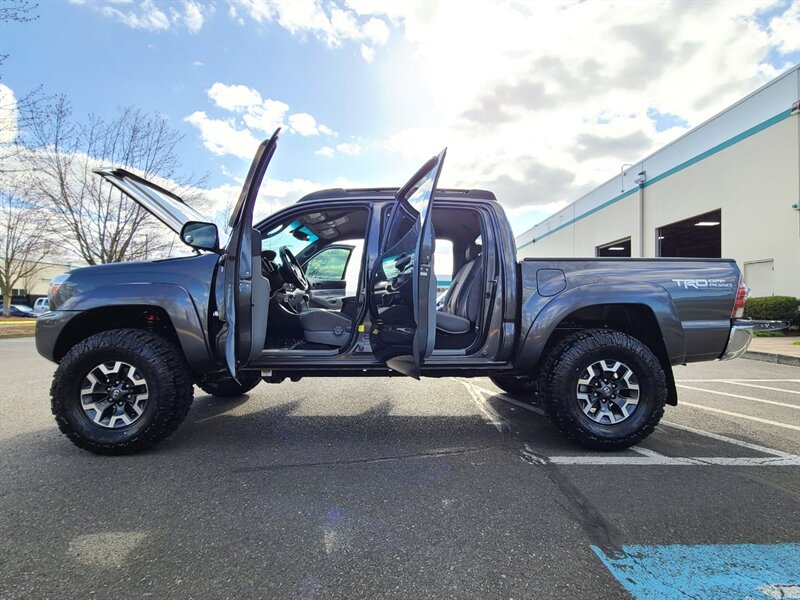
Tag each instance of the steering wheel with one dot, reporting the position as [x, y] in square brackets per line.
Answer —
[292, 271]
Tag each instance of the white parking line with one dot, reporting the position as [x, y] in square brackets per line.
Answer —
[729, 440]
[504, 397]
[492, 416]
[668, 461]
[775, 458]
[729, 379]
[697, 389]
[760, 387]
[740, 416]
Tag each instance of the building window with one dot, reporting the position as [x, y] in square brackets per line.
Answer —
[618, 248]
[19, 292]
[695, 237]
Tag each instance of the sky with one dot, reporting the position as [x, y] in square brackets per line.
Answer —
[539, 102]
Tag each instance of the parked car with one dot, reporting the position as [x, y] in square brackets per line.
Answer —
[594, 338]
[20, 310]
[42, 305]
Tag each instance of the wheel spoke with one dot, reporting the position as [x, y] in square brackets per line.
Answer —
[114, 394]
[608, 391]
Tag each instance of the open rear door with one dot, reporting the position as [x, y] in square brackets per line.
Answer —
[402, 283]
[246, 289]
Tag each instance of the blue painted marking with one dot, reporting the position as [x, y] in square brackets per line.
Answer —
[757, 571]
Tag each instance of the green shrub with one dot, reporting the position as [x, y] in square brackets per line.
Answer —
[774, 308]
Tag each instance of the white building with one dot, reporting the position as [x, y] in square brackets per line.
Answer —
[728, 188]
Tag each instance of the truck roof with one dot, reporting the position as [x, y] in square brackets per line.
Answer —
[388, 193]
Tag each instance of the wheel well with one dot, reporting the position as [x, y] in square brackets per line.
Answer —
[637, 320]
[149, 318]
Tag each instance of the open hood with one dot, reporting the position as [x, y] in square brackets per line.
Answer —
[163, 204]
[170, 209]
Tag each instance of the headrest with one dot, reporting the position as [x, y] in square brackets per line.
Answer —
[473, 252]
[269, 255]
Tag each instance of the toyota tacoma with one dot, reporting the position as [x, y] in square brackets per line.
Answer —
[344, 283]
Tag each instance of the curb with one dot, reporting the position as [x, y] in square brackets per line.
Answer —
[781, 359]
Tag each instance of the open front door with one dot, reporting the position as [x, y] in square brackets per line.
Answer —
[402, 283]
[246, 289]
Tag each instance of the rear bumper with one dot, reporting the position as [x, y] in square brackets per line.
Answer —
[742, 333]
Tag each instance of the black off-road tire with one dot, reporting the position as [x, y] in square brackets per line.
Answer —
[229, 387]
[563, 367]
[168, 380]
[516, 385]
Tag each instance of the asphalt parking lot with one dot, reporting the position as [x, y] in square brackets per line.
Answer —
[392, 488]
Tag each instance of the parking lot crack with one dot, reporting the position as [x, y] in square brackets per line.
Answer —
[438, 453]
[600, 531]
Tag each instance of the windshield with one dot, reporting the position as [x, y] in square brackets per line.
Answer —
[294, 235]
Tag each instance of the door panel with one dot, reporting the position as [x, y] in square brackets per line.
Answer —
[246, 289]
[403, 282]
[326, 273]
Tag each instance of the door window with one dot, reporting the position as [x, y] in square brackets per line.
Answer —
[330, 264]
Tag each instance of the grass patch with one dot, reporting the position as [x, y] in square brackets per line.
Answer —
[769, 334]
[13, 330]
[797, 343]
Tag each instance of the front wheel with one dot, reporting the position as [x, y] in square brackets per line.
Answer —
[120, 391]
[603, 388]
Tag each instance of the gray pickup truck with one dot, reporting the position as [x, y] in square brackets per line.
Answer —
[343, 283]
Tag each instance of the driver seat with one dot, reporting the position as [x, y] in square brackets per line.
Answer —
[323, 326]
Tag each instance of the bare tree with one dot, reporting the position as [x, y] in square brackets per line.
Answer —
[95, 221]
[18, 10]
[23, 242]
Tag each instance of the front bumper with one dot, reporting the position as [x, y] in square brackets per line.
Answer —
[49, 327]
[742, 333]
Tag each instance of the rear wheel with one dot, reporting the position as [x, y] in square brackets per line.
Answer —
[603, 388]
[516, 385]
[120, 391]
[229, 387]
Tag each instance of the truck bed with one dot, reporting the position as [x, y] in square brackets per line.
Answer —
[691, 299]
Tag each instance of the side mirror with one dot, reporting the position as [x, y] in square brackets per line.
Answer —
[203, 236]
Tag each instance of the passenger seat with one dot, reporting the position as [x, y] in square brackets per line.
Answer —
[462, 302]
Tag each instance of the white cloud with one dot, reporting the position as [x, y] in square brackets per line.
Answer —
[304, 124]
[350, 149]
[223, 137]
[197, 63]
[376, 31]
[252, 113]
[325, 151]
[328, 22]
[193, 16]
[147, 15]
[543, 101]
[9, 115]
[267, 116]
[367, 53]
[233, 97]
[785, 29]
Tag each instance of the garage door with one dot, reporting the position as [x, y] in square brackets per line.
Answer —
[758, 277]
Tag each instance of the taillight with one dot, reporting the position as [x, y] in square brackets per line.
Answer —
[741, 296]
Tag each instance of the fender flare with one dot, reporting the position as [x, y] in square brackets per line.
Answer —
[173, 299]
[650, 295]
